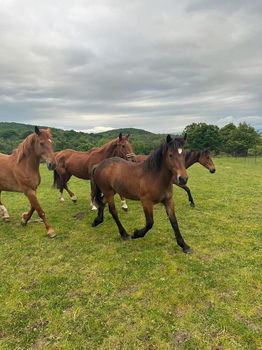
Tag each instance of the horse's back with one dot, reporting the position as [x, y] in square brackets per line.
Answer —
[118, 175]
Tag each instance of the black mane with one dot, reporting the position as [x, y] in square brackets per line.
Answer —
[154, 161]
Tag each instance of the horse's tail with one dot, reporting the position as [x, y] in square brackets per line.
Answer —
[58, 182]
[96, 194]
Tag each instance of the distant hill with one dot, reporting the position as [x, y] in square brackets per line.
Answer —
[11, 134]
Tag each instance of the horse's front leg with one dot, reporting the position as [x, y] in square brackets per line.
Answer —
[31, 195]
[148, 210]
[27, 216]
[123, 203]
[71, 194]
[169, 205]
[190, 198]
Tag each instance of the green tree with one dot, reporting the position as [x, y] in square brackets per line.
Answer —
[202, 135]
[226, 136]
[242, 139]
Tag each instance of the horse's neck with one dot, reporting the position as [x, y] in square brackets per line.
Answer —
[31, 162]
[108, 150]
[162, 176]
[191, 158]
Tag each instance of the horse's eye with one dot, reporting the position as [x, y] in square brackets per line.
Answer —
[123, 146]
[170, 155]
[42, 144]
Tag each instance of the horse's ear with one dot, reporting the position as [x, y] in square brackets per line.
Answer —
[206, 151]
[168, 139]
[37, 131]
[120, 136]
[185, 136]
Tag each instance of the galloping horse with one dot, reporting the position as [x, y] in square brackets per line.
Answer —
[79, 164]
[20, 172]
[191, 157]
[150, 182]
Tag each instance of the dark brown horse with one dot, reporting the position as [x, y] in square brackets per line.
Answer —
[20, 172]
[191, 157]
[150, 182]
[79, 164]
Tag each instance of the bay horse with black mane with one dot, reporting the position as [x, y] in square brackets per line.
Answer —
[79, 164]
[19, 172]
[191, 157]
[150, 182]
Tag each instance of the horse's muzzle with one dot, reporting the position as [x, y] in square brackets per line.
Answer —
[212, 170]
[182, 180]
[50, 165]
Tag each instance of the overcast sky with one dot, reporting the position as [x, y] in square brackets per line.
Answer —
[156, 65]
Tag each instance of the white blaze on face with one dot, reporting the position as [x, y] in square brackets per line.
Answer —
[50, 140]
[180, 150]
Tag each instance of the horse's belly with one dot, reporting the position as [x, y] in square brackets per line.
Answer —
[9, 184]
[128, 191]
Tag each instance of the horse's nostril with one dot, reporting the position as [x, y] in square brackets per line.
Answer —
[212, 171]
[51, 166]
[182, 180]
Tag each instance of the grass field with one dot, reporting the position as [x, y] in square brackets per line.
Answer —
[88, 289]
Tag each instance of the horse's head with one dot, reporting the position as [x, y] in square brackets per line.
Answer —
[44, 147]
[124, 148]
[175, 158]
[206, 161]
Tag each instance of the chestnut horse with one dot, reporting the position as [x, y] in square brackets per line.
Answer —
[191, 157]
[150, 182]
[79, 164]
[20, 172]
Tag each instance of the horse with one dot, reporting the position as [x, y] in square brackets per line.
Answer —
[191, 157]
[79, 164]
[20, 172]
[150, 182]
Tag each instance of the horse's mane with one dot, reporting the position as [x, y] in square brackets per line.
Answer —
[196, 153]
[154, 161]
[24, 147]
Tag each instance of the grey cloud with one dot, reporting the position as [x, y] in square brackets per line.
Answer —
[157, 65]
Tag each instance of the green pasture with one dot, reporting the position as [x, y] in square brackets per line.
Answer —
[88, 289]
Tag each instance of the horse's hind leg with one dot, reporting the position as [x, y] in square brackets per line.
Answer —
[190, 198]
[148, 210]
[169, 205]
[3, 211]
[113, 212]
[100, 215]
[31, 195]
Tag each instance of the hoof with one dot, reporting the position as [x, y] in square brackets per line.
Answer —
[61, 200]
[6, 218]
[192, 205]
[96, 223]
[94, 208]
[126, 238]
[51, 234]
[125, 208]
[188, 250]
[74, 199]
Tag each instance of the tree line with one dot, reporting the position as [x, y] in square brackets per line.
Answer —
[241, 140]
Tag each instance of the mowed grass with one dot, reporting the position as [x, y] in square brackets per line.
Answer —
[88, 289]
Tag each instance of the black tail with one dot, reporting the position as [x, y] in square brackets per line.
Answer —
[96, 194]
[58, 182]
